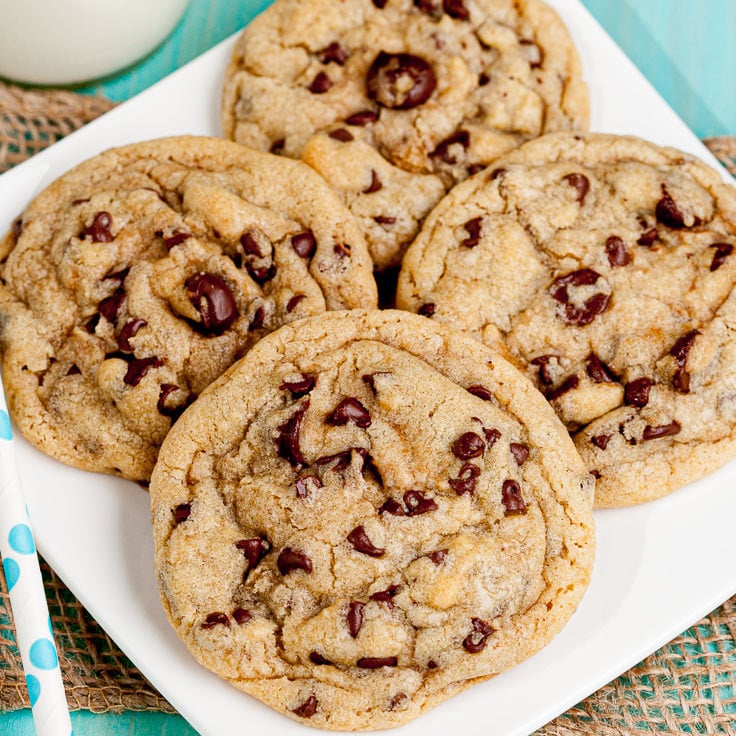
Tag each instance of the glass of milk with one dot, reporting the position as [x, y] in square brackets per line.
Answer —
[54, 42]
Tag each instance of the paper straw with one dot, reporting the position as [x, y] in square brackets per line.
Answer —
[34, 634]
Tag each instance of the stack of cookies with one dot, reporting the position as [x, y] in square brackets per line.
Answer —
[358, 513]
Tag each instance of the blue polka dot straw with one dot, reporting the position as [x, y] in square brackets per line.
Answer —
[27, 598]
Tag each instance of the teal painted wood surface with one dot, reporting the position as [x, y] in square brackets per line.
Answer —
[684, 47]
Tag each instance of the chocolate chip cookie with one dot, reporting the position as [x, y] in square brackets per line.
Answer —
[395, 101]
[367, 514]
[138, 277]
[605, 266]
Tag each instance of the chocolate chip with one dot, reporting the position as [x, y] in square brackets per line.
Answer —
[17, 227]
[360, 541]
[375, 184]
[662, 430]
[110, 306]
[288, 438]
[317, 658]
[129, 330]
[342, 135]
[648, 237]
[309, 707]
[373, 663]
[480, 391]
[393, 507]
[475, 168]
[417, 503]
[99, 229]
[278, 146]
[176, 237]
[442, 152]
[636, 392]
[431, 665]
[476, 640]
[520, 452]
[138, 368]
[618, 253]
[369, 378]
[342, 250]
[483, 79]
[242, 616]
[438, 556]
[497, 172]
[73, 370]
[257, 322]
[398, 702]
[598, 370]
[428, 7]
[253, 549]
[320, 84]
[333, 52]
[680, 351]
[301, 387]
[427, 310]
[213, 299]
[293, 559]
[667, 211]
[400, 81]
[262, 274]
[216, 619]
[380, 4]
[350, 410]
[456, 9]
[580, 183]
[91, 324]
[176, 411]
[181, 512]
[542, 370]
[467, 446]
[465, 482]
[511, 498]
[570, 383]
[473, 228]
[601, 441]
[593, 305]
[386, 596]
[355, 617]
[723, 251]
[305, 484]
[292, 304]
[251, 246]
[364, 117]
[492, 436]
[341, 460]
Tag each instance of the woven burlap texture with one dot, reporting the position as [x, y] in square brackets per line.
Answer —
[687, 686]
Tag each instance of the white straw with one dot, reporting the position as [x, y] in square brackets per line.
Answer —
[34, 634]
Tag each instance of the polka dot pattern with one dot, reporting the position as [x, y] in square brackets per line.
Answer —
[12, 572]
[43, 654]
[6, 432]
[20, 539]
[34, 688]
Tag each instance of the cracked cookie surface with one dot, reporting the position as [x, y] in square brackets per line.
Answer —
[604, 266]
[395, 101]
[138, 277]
[367, 514]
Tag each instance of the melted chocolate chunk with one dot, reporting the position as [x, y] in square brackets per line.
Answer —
[468, 446]
[601, 441]
[456, 9]
[309, 707]
[305, 483]
[492, 436]
[511, 498]
[438, 556]
[17, 228]
[393, 507]
[342, 250]
[476, 640]
[260, 275]
[355, 617]
[341, 460]
[212, 298]
[400, 81]
[618, 253]
[350, 410]
[361, 543]
[380, 4]
[723, 251]
[465, 482]
[277, 146]
[253, 549]
[257, 321]
[299, 388]
[598, 370]
[294, 302]
[373, 663]
[242, 616]
[342, 135]
[364, 117]
[661, 430]
[580, 183]
[110, 306]
[570, 383]
[542, 370]
[129, 330]
[216, 619]
[369, 378]
[386, 596]
[166, 390]
[375, 184]
[176, 237]
[648, 237]
[182, 512]
[73, 370]
[520, 452]
[417, 503]
[480, 391]
[320, 84]
[636, 392]
[137, 369]
[317, 658]
[667, 211]
[251, 246]
[593, 305]
[99, 229]
[293, 559]
[442, 152]
[334, 52]
[427, 310]
[473, 228]
[680, 351]
[288, 439]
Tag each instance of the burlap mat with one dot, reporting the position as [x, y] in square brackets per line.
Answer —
[688, 686]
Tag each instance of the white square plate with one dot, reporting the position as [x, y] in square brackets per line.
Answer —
[659, 568]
